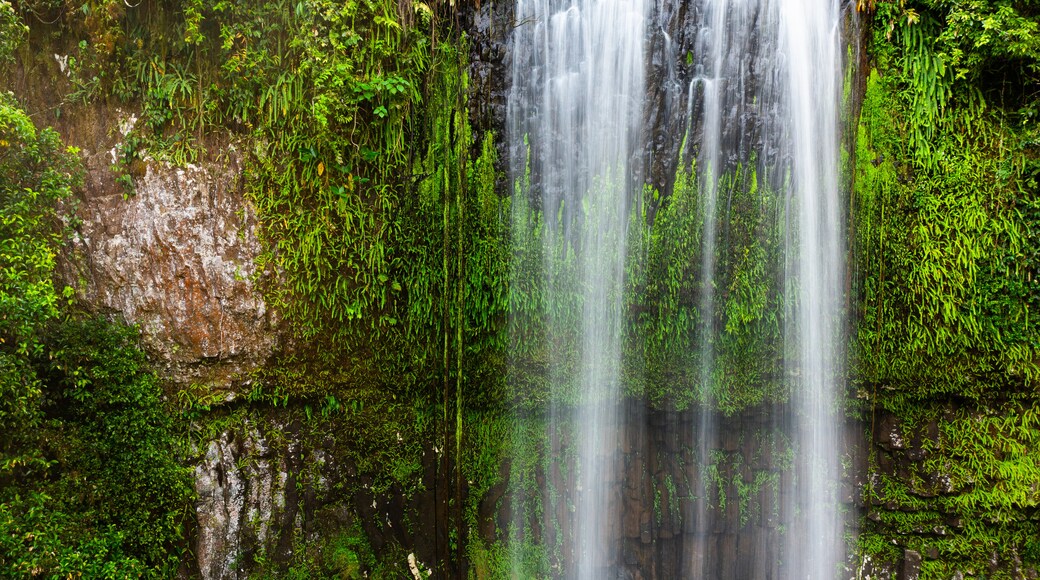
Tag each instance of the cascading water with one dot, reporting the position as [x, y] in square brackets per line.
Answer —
[762, 112]
[766, 74]
[714, 71]
[576, 102]
[810, 39]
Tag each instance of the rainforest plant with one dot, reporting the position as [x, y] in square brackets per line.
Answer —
[89, 482]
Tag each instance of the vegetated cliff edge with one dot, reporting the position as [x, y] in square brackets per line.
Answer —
[328, 308]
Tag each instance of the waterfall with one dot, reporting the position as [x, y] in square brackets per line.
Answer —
[810, 39]
[718, 75]
[574, 113]
[762, 90]
[766, 73]
[770, 73]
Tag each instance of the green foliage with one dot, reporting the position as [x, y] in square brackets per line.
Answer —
[535, 469]
[945, 222]
[976, 39]
[105, 496]
[529, 326]
[89, 484]
[327, 178]
[489, 560]
[745, 329]
[385, 438]
[944, 245]
[749, 333]
[488, 447]
[37, 173]
[456, 269]
[664, 286]
[12, 32]
[344, 555]
[972, 495]
[670, 318]
[120, 439]
[35, 541]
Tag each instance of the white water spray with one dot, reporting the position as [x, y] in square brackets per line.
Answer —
[576, 98]
[765, 88]
[768, 73]
[810, 40]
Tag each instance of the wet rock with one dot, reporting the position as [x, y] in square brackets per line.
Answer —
[630, 524]
[911, 569]
[890, 433]
[241, 491]
[488, 25]
[916, 454]
[177, 258]
[869, 568]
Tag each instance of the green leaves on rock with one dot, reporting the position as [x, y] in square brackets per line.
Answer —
[89, 482]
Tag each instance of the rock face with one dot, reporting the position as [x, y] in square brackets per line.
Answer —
[488, 26]
[917, 500]
[271, 483]
[658, 532]
[237, 501]
[177, 258]
[911, 565]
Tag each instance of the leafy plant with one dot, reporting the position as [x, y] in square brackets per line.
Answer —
[89, 482]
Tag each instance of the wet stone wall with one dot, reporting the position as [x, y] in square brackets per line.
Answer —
[661, 526]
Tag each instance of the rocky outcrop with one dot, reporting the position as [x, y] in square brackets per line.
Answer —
[177, 257]
[171, 249]
[241, 487]
[488, 27]
[272, 482]
[923, 472]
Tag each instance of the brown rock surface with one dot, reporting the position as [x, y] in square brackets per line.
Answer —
[177, 258]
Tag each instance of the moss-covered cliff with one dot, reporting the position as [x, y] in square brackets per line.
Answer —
[945, 213]
[302, 206]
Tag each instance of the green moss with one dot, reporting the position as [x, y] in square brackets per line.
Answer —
[943, 171]
[972, 494]
[943, 268]
[344, 555]
[747, 330]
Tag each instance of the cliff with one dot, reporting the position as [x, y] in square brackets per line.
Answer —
[304, 212]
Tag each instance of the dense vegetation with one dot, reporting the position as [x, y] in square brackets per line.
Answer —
[89, 484]
[947, 224]
[746, 326]
[386, 225]
[947, 196]
[378, 212]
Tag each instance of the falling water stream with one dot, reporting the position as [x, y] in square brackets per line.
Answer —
[767, 74]
[761, 88]
[810, 39]
[576, 99]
